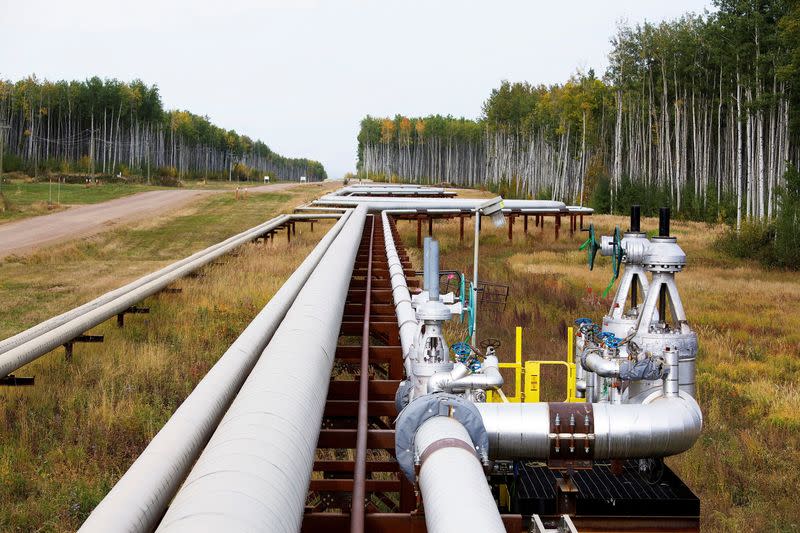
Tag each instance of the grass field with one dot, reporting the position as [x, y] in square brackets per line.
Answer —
[22, 199]
[64, 442]
[743, 468]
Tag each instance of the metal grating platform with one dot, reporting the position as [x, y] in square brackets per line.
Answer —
[602, 493]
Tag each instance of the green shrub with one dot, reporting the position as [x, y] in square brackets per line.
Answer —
[167, 172]
[775, 243]
[600, 200]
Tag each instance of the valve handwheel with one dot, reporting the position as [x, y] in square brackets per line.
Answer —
[591, 246]
[490, 342]
[616, 259]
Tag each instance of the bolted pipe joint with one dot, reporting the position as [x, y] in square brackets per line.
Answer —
[429, 406]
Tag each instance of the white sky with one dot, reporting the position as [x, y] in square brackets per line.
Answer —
[300, 74]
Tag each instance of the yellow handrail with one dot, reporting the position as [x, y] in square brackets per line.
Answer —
[527, 375]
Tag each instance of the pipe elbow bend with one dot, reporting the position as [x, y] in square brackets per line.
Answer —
[594, 362]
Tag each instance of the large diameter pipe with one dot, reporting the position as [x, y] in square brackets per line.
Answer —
[255, 471]
[406, 317]
[52, 323]
[451, 480]
[141, 496]
[667, 425]
[466, 204]
[81, 321]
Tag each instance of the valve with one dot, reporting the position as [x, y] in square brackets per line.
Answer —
[616, 259]
[591, 246]
[465, 355]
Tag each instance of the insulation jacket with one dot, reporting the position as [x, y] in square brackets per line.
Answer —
[663, 426]
[139, 498]
[56, 321]
[406, 316]
[255, 471]
[465, 204]
[28, 345]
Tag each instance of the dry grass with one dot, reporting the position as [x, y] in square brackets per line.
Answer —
[64, 442]
[40, 285]
[743, 466]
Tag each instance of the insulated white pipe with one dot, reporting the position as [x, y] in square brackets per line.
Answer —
[254, 473]
[466, 204]
[52, 323]
[37, 341]
[594, 362]
[660, 427]
[459, 379]
[138, 500]
[406, 316]
[451, 480]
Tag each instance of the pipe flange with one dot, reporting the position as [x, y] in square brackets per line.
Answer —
[428, 406]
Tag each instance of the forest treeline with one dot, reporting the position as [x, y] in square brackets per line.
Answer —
[700, 113]
[109, 127]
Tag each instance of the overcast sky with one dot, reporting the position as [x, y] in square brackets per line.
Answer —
[300, 74]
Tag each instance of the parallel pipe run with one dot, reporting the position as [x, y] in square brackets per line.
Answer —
[254, 474]
[28, 345]
[439, 204]
[52, 323]
[139, 498]
[406, 316]
[664, 426]
[452, 481]
[360, 470]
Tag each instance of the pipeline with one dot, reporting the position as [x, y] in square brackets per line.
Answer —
[47, 325]
[28, 345]
[140, 497]
[667, 425]
[460, 379]
[439, 204]
[255, 471]
[406, 317]
[452, 481]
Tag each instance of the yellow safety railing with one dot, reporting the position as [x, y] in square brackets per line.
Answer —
[527, 375]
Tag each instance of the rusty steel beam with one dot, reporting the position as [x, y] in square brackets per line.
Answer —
[360, 471]
[347, 485]
[379, 353]
[348, 466]
[375, 309]
[351, 408]
[388, 522]
[379, 389]
[346, 438]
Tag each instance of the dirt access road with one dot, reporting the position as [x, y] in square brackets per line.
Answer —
[83, 220]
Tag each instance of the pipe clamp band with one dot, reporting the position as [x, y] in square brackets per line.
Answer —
[446, 443]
